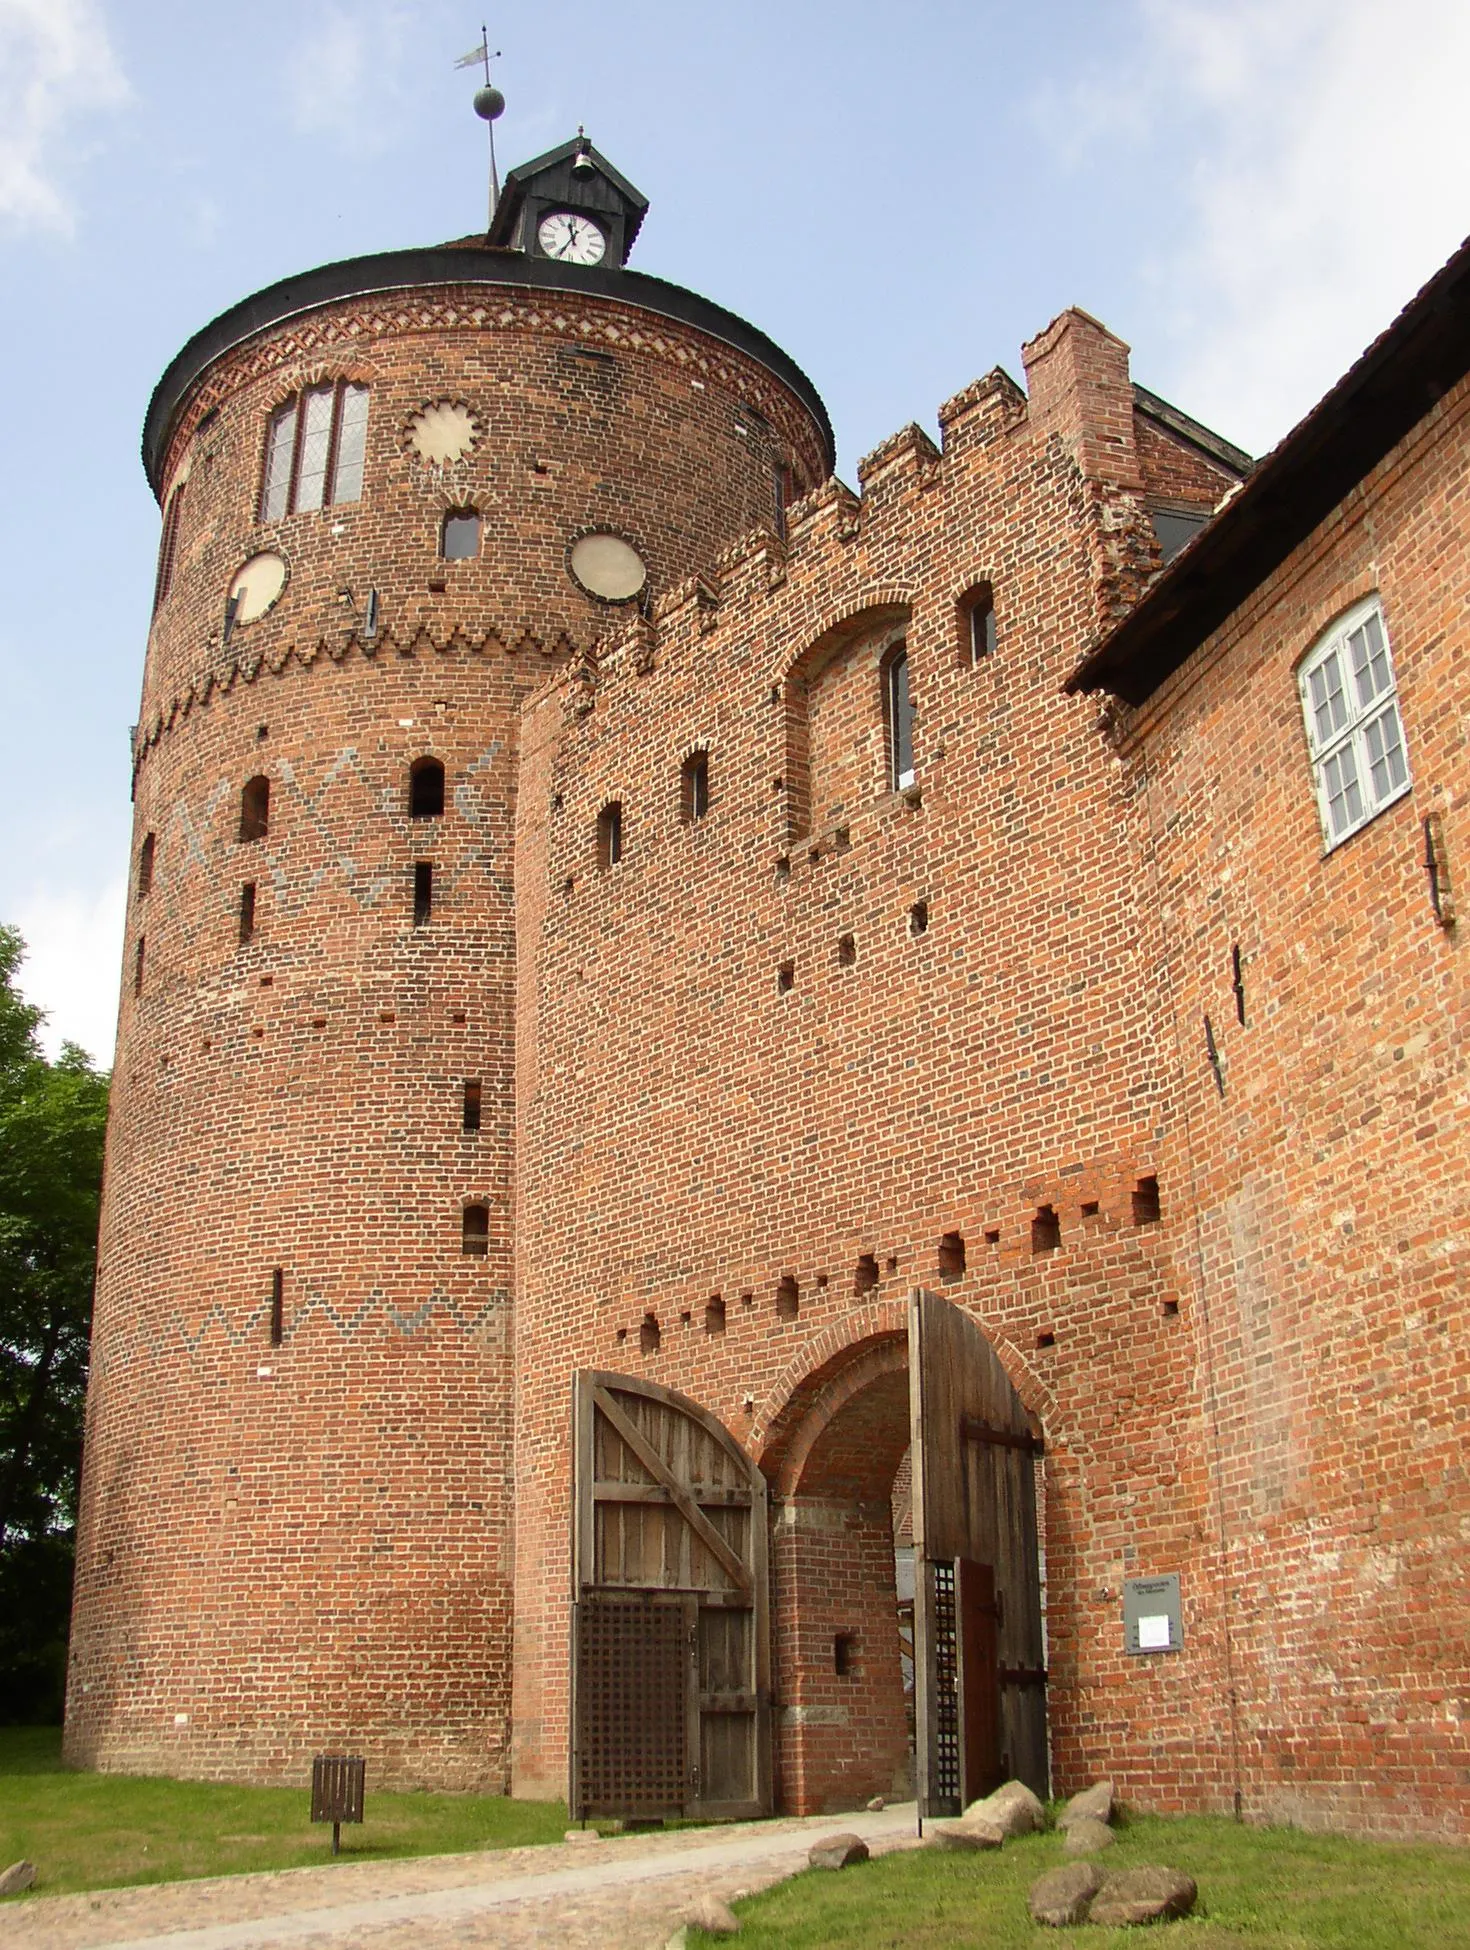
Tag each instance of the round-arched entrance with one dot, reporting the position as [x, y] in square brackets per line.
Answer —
[907, 1638]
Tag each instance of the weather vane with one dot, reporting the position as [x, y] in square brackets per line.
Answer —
[489, 104]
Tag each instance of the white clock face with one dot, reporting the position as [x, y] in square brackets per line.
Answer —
[571, 239]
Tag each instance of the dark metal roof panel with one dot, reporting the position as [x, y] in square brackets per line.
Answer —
[359, 277]
[1292, 491]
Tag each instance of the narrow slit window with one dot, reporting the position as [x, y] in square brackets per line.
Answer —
[788, 1297]
[255, 810]
[145, 864]
[472, 1104]
[844, 1652]
[139, 956]
[650, 1335]
[865, 1275]
[694, 788]
[426, 789]
[610, 835]
[459, 538]
[919, 918]
[278, 1307]
[1146, 1202]
[714, 1314]
[423, 892]
[900, 716]
[977, 612]
[474, 1237]
[167, 546]
[247, 912]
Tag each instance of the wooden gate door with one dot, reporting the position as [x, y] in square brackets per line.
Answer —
[979, 1678]
[670, 1642]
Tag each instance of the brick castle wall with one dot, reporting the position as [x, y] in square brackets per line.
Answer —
[748, 1087]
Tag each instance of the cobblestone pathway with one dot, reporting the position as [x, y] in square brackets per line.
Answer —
[627, 1893]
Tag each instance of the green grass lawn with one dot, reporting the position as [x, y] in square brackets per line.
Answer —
[1260, 1889]
[96, 1831]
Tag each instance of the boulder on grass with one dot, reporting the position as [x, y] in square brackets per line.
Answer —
[837, 1852]
[1142, 1896]
[1013, 1808]
[963, 1835]
[1088, 1838]
[1092, 1804]
[1064, 1896]
[714, 1916]
[20, 1875]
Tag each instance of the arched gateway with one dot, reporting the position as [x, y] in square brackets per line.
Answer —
[672, 1665]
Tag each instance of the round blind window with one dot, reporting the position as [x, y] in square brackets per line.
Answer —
[608, 568]
[256, 585]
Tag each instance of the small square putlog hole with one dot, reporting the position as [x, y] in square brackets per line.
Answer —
[1046, 1230]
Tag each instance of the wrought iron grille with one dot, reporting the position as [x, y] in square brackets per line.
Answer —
[944, 1751]
[634, 1668]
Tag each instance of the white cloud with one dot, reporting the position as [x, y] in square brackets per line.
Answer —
[56, 66]
[73, 954]
[1315, 158]
[346, 75]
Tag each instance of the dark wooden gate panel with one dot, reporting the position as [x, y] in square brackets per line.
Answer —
[979, 1677]
[669, 1506]
[974, 1487]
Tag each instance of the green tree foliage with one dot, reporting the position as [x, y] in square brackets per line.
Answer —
[52, 1119]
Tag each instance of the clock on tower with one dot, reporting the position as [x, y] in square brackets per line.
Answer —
[571, 206]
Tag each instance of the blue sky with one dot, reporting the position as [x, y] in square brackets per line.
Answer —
[1246, 190]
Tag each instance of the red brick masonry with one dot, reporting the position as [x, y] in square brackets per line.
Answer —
[827, 1022]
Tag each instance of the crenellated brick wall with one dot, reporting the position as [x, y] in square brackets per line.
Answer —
[747, 1088]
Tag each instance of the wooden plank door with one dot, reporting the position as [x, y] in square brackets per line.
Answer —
[670, 1515]
[975, 1545]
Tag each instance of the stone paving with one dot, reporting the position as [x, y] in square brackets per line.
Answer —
[629, 1892]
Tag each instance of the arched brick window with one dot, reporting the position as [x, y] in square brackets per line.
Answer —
[977, 625]
[459, 536]
[315, 445]
[898, 713]
[425, 789]
[255, 809]
[475, 1231]
[694, 788]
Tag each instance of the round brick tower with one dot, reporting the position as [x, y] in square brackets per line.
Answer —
[398, 492]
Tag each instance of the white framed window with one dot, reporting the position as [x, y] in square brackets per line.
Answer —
[1354, 733]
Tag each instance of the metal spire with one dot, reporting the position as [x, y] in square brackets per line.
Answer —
[489, 104]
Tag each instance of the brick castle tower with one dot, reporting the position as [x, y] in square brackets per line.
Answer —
[399, 494]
